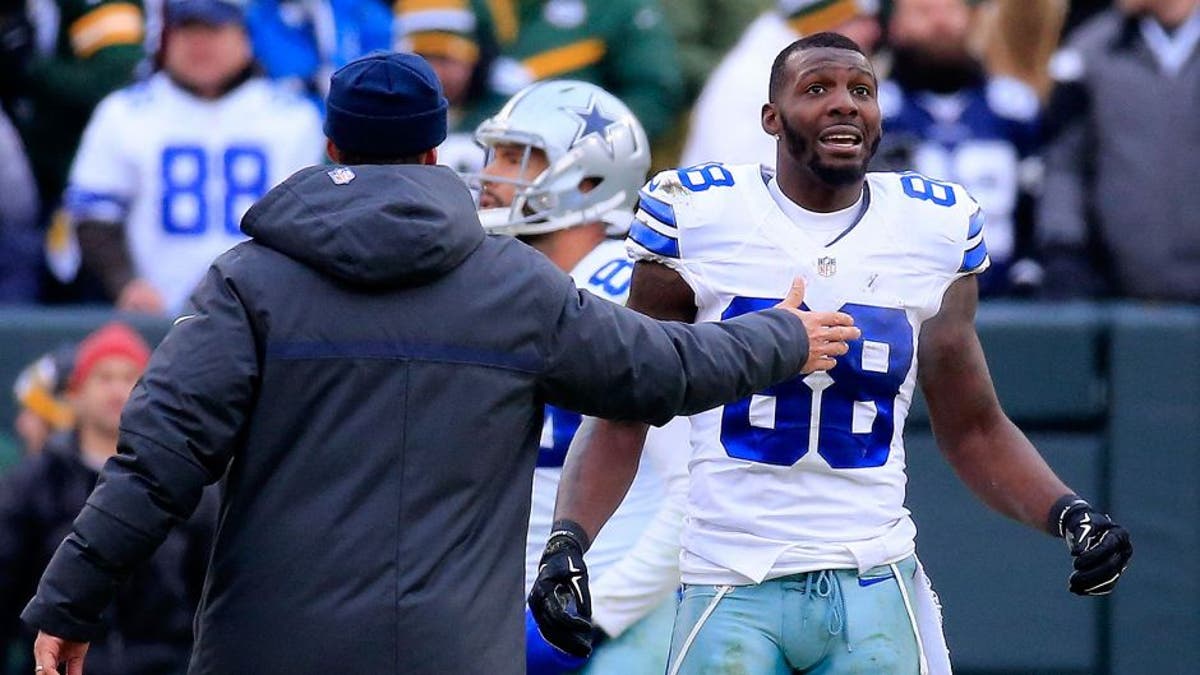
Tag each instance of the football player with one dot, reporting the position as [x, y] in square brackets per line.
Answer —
[797, 550]
[167, 167]
[564, 163]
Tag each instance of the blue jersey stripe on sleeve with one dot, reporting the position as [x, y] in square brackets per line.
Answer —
[88, 205]
[660, 210]
[974, 257]
[77, 197]
[653, 241]
[977, 222]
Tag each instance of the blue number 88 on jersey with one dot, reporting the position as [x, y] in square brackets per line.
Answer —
[846, 415]
[185, 176]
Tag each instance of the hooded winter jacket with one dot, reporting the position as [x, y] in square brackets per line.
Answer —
[368, 374]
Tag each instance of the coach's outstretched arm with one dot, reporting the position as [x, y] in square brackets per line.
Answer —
[604, 457]
[610, 362]
[177, 435]
[996, 460]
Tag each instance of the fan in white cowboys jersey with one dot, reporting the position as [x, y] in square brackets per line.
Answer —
[797, 551]
[168, 166]
[564, 163]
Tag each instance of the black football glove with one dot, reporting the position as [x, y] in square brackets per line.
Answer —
[1100, 547]
[560, 600]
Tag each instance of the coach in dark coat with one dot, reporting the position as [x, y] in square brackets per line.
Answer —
[367, 374]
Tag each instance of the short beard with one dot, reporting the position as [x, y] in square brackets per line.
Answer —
[916, 69]
[834, 176]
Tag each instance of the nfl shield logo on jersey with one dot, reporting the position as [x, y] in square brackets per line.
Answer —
[341, 175]
[827, 266]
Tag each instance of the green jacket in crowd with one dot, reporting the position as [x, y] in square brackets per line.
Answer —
[89, 48]
[625, 46]
[704, 31]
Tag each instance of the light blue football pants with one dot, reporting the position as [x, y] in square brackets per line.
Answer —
[640, 650]
[829, 622]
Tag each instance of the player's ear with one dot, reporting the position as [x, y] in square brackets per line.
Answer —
[332, 151]
[770, 120]
[429, 157]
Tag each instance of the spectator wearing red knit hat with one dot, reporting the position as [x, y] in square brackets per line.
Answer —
[41, 496]
[107, 365]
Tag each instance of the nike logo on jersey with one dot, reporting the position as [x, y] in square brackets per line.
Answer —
[183, 318]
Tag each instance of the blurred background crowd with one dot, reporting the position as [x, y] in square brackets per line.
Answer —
[1072, 123]
[134, 136]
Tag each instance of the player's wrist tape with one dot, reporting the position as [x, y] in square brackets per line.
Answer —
[1057, 519]
[570, 530]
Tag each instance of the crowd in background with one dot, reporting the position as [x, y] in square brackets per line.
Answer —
[133, 137]
[1070, 123]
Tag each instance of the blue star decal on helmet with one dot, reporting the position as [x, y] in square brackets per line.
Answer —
[592, 121]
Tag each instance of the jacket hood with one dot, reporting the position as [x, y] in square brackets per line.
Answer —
[378, 225]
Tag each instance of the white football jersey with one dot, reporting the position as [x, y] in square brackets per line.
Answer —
[607, 272]
[180, 171]
[808, 474]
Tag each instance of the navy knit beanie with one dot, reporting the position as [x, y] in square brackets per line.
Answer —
[386, 105]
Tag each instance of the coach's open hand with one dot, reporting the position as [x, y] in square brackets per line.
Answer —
[50, 651]
[1100, 547]
[560, 600]
[828, 332]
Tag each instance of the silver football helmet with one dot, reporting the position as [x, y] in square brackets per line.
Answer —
[585, 132]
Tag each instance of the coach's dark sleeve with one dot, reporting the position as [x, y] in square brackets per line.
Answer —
[177, 435]
[609, 361]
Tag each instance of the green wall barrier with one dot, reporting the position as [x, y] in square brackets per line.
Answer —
[1002, 585]
[1155, 488]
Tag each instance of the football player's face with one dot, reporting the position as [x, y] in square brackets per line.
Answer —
[206, 57]
[511, 163]
[828, 115]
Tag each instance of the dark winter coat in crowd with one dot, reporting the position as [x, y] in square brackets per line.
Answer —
[150, 623]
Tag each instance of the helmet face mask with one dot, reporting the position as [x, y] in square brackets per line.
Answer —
[585, 133]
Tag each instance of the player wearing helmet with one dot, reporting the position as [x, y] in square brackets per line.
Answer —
[564, 163]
